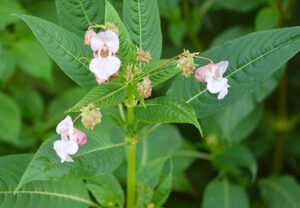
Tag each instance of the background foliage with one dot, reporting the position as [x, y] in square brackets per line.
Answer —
[251, 148]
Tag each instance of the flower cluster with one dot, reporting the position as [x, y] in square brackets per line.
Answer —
[142, 56]
[91, 116]
[212, 74]
[105, 45]
[71, 139]
[186, 63]
[144, 87]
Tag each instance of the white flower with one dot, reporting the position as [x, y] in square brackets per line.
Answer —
[212, 74]
[104, 64]
[71, 139]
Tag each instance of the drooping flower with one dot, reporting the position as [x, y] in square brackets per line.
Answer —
[144, 87]
[71, 139]
[212, 74]
[142, 56]
[88, 36]
[186, 63]
[91, 116]
[105, 63]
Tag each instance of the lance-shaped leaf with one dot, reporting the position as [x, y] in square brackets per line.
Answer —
[166, 110]
[283, 191]
[159, 72]
[97, 156]
[78, 15]
[65, 48]
[222, 194]
[106, 95]
[46, 194]
[141, 17]
[111, 15]
[252, 59]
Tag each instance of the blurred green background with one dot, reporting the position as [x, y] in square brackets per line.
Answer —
[35, 92]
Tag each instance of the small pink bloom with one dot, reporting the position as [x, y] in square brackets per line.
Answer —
[81, 137]
[88, 36]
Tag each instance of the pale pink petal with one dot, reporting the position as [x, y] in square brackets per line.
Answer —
[105, 67]
[71, 147]
[60, 147]
[81, 137]
[201, 73]
[65, 126]
[223, 92]
[111, 39]
[88, 36]
[215, 86]
[99, 80]
[97, 42]
[221, 68]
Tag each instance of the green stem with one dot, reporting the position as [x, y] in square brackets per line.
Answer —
[131, 176]
[131, 156]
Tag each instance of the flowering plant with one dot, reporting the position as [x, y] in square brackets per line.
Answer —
[118, 63]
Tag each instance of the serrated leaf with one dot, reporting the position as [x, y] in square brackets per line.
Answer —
[252, 59]
[112, 94]
[231, 158]
[111, 15]
[143, 22]
[65, 48]
[78, 15]
[107, 190]
[158, 73]
[166, 110]
[278, 192]
[96, 157]
[222, 194]
[47, 194]
[10, 122]
[29, 51]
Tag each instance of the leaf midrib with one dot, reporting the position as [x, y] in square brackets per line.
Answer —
[72, 197]
[84, 13]
[242, 67]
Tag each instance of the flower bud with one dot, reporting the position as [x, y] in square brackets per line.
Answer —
[144, 87]
[91, 116]
[88, 36]
[128, 73]
[142, 56]
[150, 205]
[186, 63]
[112, 27]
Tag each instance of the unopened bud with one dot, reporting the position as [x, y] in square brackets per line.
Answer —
[150, 205]
[186, 63]
[88, 36]
[145, 88]
[128, 73]
[91, 116]
[112, 27]
[142, 56]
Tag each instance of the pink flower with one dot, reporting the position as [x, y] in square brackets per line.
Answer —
[71, 139]
[212, 74]
[142, 56]
[104, 64]
[144, 87]
[88, 36]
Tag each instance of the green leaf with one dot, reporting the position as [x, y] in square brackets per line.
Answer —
[161, 142]
[252, 59]
[107, 190]
[10, 122]
[231, 158]
[267, 18]
[65, 48]
[165, 110]
[78, 15]
[47, 194]
[238, 5]
[158, 73]
[7, 65]
[57, 107]
[143, 22]
[30, 102]
[113, 92]
[278, 192]
[222, 194]
[111, 15]
[96, 157]
[7, 7]
[29, 51]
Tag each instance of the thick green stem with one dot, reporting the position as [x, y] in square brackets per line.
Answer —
[131, 176]
[131, 156]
